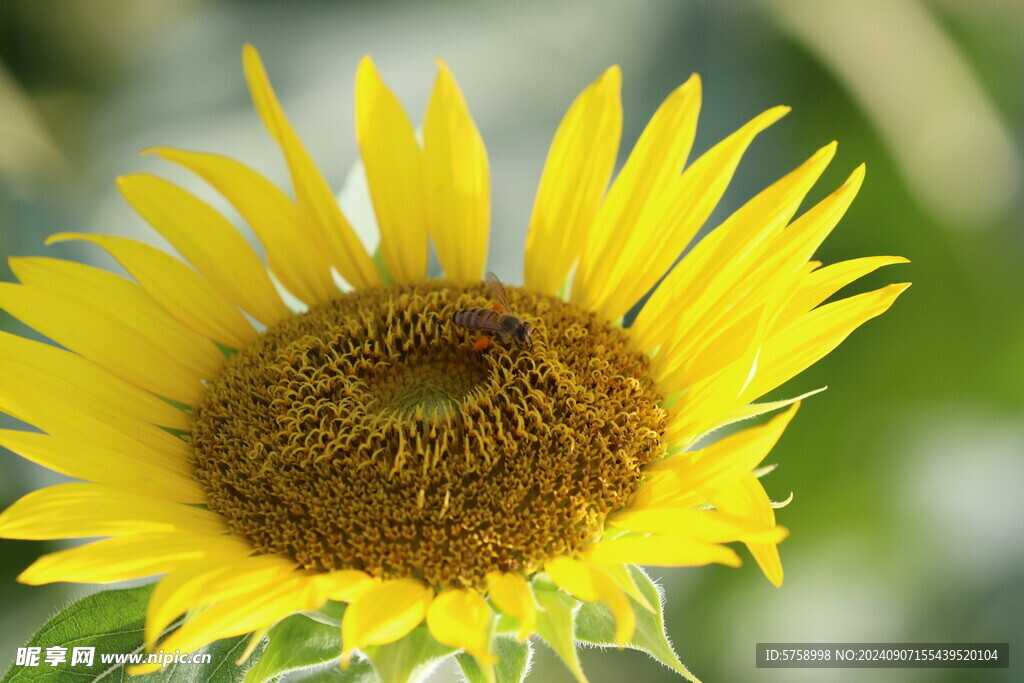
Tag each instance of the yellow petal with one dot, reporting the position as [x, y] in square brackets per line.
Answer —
[824, 282]
[705, 526]
[79, 424]
[652, 167]
[747, 498]
[575, 177]
[315, 199]
[661, 551]
[181, 291]
[461, 619]
[84, 510]
[670, 220]
[292, 251]
[68, 378]
[748, 297]
[708, 468]
[809, 338]
[458, 181]
[114, 296]
[208, 241]
[512, 594]
[347, 584]
[383, 614]
[133, 471]
[394, 172]
[710, 271]
[257, 607]
[201, 583]
[106, 336]
[591, 584]
[132, 557]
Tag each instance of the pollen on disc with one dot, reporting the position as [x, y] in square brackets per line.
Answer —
[368, 434]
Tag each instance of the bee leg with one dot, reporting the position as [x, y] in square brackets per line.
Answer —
[482, 342]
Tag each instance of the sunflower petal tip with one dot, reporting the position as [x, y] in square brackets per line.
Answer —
[366, 66]
[612, 77]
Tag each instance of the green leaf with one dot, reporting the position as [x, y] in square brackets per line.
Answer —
[360, 671]
[295, 644]
[409, 659]
[555, 626]
[112, 622]
[596, 625]
[514, 659]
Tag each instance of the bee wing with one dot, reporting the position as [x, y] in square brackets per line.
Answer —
[497, 290]
[487, 325]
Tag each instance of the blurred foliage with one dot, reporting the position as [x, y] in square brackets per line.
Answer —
[904, 516]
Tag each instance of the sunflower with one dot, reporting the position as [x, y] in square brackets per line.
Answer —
[363, 451]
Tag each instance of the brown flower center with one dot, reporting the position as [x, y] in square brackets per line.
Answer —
[368, 434]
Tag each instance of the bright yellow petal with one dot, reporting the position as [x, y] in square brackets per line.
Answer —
[512, 594]
[347, 584]
[256, 607]
[591, 584]
[85, 510]
[81, 425]
[132, 557]
[812, 336]
[68, 378]
[394, 171]
[316, 201]
[747, 498]
[458, 182]
[383, 614]
[678, 481]
[745, 298]
[109, 337]
[181, 291]
[694, 289]
[126, 470]
[208, 241]
[114, 296]
[824, 282]
[670, 220]
[461, 619]
[575, 177]
[201, 583]
[653, 166]
[661, 551]
[292, 252]
[705, 526]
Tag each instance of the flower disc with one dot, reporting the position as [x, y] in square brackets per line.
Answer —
[367, 434]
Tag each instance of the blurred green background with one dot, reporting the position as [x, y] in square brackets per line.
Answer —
[907, 473]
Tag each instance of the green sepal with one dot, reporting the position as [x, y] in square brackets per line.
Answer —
[409, 659]
[112, 622]
[514, 659]
[595, 625]
[555, 626]
[298, 643]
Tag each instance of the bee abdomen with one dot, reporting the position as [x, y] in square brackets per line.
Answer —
[476, 318]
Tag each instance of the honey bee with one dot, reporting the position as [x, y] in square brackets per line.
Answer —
[498, 320]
